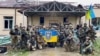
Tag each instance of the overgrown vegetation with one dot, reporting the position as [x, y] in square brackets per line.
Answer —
[97, 47]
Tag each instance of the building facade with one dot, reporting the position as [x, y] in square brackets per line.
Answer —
[9, 15]
[50, 20]
[7, 20]
[44, 14]
[54, 13]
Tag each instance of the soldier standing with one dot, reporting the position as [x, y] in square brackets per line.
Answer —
[85, 27]
[69, 38]
[61, 37]
[81, 36]
[24, 37]
[12, 34]
[15, 36]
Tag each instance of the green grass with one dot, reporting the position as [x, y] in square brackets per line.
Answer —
[18, 53]
[97, 47]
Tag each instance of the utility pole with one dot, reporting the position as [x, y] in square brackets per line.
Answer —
[15, 15]
[15, 7]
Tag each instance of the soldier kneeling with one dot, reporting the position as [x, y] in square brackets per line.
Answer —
[32, 44]
[69, 43]
[87, 46]
[40, 42]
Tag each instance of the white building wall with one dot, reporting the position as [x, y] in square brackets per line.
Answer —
[10, 12]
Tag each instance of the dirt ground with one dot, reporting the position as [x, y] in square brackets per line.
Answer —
[49, 52]
[53, 52]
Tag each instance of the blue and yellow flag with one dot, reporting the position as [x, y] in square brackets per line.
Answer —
[49, 35]
[90, 13]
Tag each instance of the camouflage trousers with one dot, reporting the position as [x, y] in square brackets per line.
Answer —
[15, 39]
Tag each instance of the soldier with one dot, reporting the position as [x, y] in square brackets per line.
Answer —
[34, 35]
[92, 33]
[61, 37]
[87, 46]
[15, 36]
[24, 37]
[69, 42]
[29, 30]
[40, 41]
[32, 43]
[81, 36]
[12, 34]
[66, 30]
[85, 27]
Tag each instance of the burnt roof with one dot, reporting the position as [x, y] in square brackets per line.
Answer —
[55, 7]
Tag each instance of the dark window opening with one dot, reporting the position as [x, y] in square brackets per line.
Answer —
[65, 20]
[6, 24]
[41, 20]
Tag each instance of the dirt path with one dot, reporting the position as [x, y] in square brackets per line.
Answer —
[53, 52]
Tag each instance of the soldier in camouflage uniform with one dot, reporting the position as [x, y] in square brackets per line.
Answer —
[87, 46]
[61, 37]
[85, 27]
[69, 40]
[24, 38]
[15, 36]
[81, 35]
[32, 43]
[92, 33]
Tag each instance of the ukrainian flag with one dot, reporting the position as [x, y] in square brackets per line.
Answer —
[90, 13]
[49, 35]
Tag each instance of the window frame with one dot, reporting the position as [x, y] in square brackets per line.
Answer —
[8, 19]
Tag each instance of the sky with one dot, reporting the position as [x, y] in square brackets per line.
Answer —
[83, 2]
